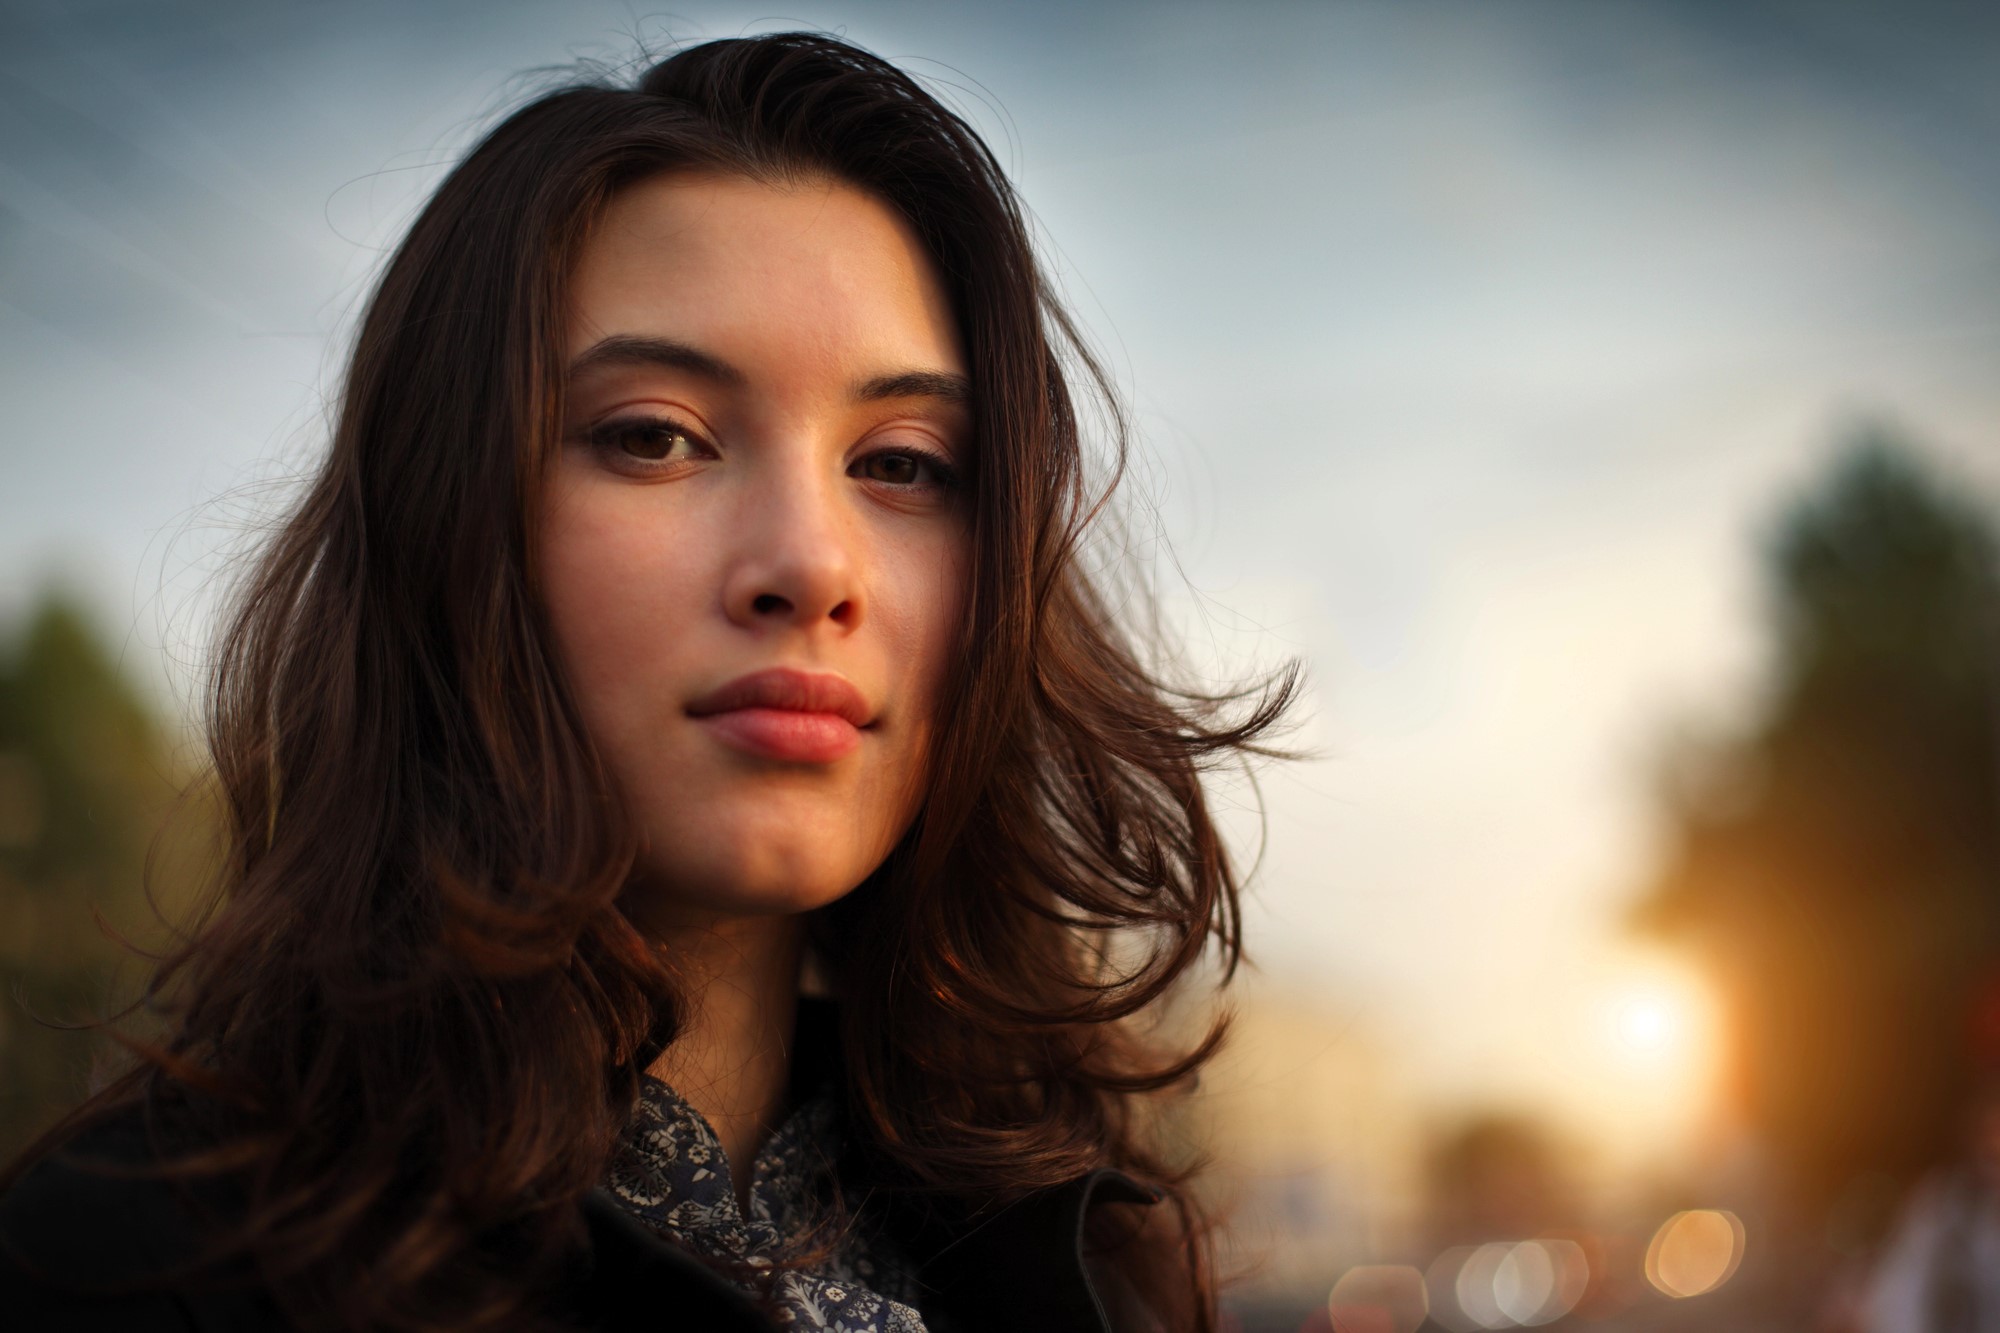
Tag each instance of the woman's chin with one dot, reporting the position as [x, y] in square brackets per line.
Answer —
[681, 894]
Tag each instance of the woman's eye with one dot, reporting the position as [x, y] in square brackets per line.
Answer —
[646, 439]
[901, 467]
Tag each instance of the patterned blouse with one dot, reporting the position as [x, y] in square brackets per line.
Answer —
[670, 1173]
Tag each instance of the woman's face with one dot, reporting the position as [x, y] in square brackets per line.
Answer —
[754, 546]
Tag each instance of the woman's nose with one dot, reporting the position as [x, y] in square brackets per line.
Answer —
[794, 564]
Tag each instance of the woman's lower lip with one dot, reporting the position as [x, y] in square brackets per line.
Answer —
[781, 733]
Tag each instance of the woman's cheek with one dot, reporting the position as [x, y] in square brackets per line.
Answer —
[605, 579]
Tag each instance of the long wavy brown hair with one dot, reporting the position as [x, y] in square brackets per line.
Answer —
[413, 1020]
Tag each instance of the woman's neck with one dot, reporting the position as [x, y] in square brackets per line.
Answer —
[732, 1060]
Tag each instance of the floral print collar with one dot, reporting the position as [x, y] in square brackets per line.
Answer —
[816, 1268]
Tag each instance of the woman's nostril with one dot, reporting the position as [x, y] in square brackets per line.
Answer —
[769, 603]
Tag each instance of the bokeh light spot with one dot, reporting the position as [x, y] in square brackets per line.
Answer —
[1477, 1286]
[1523, 1283]
[1695, 1252]
[1378, 1298]
[1441, 1285]
[1572, 1279]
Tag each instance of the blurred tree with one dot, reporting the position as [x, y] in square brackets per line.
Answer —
[1838, 867]
[87, 782]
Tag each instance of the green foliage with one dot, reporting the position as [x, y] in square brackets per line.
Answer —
[87, 784]
[1883, 573]
[1838, 867]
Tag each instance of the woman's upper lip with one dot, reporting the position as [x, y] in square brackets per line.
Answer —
[789, 689]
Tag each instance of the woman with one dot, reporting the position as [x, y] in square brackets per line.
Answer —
[690, 601]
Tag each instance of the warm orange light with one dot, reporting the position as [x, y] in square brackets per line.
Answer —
[1658, 1021]
[1654, 1028]
[1695, 1252]
[1650, 1023]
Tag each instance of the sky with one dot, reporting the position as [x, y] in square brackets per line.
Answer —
[1472, 349]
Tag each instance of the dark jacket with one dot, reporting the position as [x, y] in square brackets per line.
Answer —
[79, 1236]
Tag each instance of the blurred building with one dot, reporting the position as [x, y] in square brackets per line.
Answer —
[1314, 1143]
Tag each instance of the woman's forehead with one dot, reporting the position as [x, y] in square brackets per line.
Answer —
[766, 275]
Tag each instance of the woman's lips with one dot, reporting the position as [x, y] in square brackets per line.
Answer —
[779, 733]
[802, 717]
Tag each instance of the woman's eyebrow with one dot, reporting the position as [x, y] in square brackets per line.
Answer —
[626, 349]
[954, 389]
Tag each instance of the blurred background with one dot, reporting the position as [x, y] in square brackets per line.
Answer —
[1603, 400]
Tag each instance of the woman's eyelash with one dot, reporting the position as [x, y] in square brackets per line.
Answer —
[649, 441]
[943, 471]
[644, 439]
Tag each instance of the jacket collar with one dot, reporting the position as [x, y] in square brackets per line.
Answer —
[1021, 1266]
